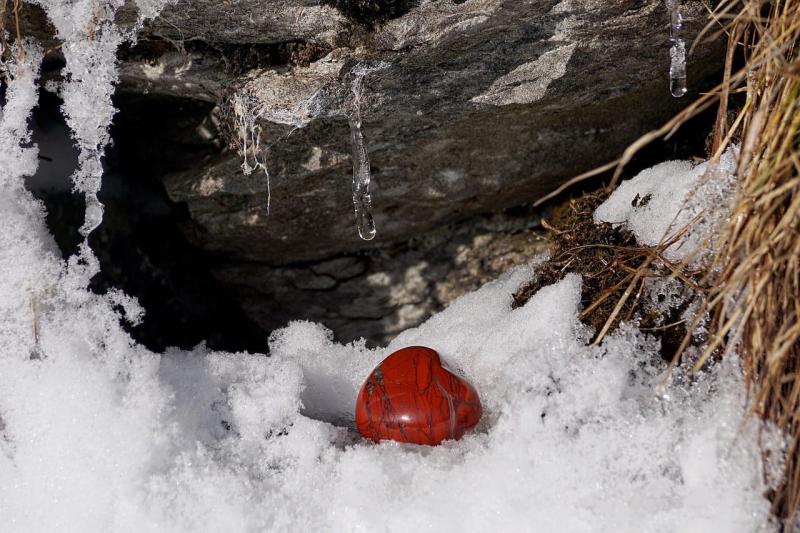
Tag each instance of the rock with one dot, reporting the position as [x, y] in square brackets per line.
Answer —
[246, 21]
[469, 107]
[379, 294]
[412, 397]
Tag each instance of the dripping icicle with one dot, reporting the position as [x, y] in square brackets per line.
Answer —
[677, 50]
[362, 200]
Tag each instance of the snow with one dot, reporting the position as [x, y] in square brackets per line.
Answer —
[660, 201]
[99, 434]
[89, 42]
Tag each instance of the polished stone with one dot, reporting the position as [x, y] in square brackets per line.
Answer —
[412, 397]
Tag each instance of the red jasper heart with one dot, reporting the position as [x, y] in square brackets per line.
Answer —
[412, 397]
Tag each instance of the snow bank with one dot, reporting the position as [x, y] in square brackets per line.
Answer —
[658, 202]
[573, 439]
[98, 434]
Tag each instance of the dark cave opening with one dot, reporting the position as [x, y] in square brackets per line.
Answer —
[139, 244]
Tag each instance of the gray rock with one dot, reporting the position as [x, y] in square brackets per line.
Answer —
[472, 107]
[247, 21]
[380, 294]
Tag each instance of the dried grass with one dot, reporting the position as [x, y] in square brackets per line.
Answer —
[4, 15]
[614, 269]
[754, 280]
[752, 286]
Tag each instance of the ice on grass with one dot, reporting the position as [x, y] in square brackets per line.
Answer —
[660, 201]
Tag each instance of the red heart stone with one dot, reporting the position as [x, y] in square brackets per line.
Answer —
[412, 397]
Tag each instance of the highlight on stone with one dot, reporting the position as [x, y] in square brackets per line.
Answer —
[413, 397]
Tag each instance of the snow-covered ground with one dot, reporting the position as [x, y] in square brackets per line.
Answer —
[99, 434]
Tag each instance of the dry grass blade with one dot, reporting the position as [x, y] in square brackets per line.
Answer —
[754, 299]
[577, 179]
[15, 9]
[621, 302]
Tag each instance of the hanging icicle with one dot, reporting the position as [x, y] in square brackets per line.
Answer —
[362, 200]
[677, 50]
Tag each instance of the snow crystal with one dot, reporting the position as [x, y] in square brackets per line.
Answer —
[660, 201]
[89, 42]
[15, 159]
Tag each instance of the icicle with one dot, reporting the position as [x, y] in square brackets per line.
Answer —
[677, 50]
[362, 200]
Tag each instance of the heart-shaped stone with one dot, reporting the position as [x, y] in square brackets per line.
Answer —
[412, 397]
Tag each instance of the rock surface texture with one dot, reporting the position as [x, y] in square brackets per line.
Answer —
[469, 107]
